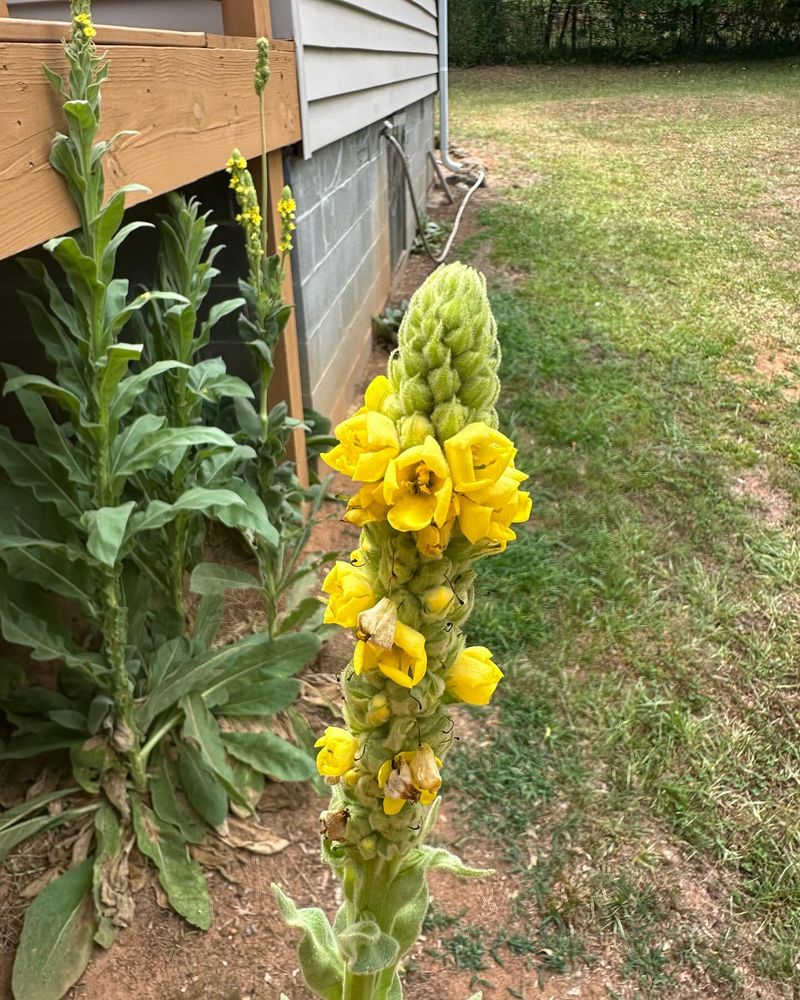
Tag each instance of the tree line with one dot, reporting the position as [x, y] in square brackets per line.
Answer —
[486, 32]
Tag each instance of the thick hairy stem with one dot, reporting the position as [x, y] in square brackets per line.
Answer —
[115, 631]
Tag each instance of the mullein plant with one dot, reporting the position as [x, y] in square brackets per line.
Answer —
[439, 491]
[135, 709]
[291, 507]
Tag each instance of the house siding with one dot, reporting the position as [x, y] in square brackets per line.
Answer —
[341, 265]
[360, 62]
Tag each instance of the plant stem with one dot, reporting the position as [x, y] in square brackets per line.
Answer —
[264, 181]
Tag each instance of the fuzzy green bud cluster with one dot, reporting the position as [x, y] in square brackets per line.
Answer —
[262, 72]
[445, 366]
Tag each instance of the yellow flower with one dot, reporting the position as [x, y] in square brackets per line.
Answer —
[405, 663]
[367, 505]
[89, 31]
[433, 540]
[378, 710]
[478, 456]
[350, 594]
[417, 487]
[435, 600]
[82, 18]
[473, 677]
[487, 514]
[367, 443]
[338, 752]
[376, 392]
[410, 776]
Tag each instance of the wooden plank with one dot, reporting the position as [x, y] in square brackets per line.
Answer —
[3, 8]
[336, 71]
[190, 106]
[246, 17]
[286, 383]
[326, 24]
[335, 117]
[18, 29]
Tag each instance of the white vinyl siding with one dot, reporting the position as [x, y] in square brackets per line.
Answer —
[361, 61]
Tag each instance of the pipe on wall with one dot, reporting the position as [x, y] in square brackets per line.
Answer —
[444, 105]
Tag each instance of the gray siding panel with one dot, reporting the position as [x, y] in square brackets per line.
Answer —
[334, 117]
[336, 25]
[330, 73]
[361, 61]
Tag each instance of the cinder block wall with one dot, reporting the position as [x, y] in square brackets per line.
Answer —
[342, 268]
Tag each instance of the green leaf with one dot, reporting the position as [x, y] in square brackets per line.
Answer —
[216, 578]
[170, 804]
[179, 874]
[168, 655]
[210, 612]
[115, 365]
[44, 387]
[106, 531]
[24, 829]
[24, 809]
[318, 951]
[116, 323]
[133, 453]
[41, 632]
[200, 729]
[205, 672]
[366, 949]
[266, 698]
[129, 389]
[29, 466]
[202, 789]
[439, 858]
[248, 419]
[57, 937]
[198, 498]
[52, 565]
[271, 755]
[287, 655]
[307, 610]
[49, 434]
[251, 516]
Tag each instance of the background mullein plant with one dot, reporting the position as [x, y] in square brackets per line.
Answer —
[285, 572]
[136, 699]
[440, 491]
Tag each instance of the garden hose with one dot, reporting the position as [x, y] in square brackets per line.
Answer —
[388, 133]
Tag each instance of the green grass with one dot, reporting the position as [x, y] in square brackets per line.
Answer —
[648, 614]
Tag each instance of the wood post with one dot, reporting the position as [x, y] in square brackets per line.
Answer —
[3, 8]
[252, 17]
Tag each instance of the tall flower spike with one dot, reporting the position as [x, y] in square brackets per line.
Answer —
[439, 491]
[262, 73]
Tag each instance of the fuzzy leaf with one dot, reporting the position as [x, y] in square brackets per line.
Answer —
[212, 671]
[57, 937]
[170, 805]
[266, 698]
[319, 955]
[200, 728]
[52, 565]
[270, 755]
[117, 359]
[129, 389]
[111, 891]
[106, 531]
[29, 466]
[27, 828]
[440, 858]
[157, 513]
[202, 789]
[44, 387]
[366, 948]
[179, 874]
[135, 453]
[216, 578]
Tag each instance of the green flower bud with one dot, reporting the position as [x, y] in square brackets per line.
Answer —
[261, 75]
[444, 383]
[449, 419]
[413, 430]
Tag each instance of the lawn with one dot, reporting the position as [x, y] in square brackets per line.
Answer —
[641, 772]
